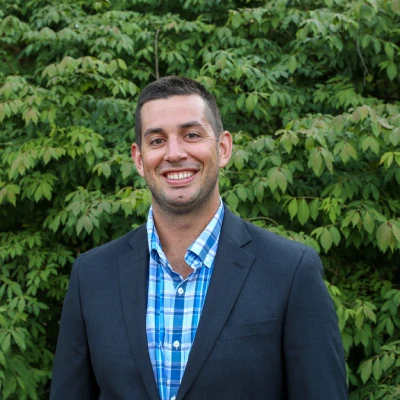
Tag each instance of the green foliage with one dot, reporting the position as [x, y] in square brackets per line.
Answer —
[310, 90]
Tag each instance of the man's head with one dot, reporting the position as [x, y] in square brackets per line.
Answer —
[177, 86]
[179, 147]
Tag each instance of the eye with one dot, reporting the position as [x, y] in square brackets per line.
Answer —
[156, 142]
[192, 135]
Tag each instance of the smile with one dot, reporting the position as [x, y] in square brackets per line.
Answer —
[179, 175]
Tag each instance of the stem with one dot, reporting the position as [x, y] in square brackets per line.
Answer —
[264, 218]
[362, 60]
[156, 53]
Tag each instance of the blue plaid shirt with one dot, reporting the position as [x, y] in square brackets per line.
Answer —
[174, 304]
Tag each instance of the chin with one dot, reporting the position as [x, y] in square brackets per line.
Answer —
[181, 206]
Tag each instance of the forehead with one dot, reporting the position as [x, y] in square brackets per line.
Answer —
[173, 111]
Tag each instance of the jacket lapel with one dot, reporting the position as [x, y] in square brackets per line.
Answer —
[232, 265]
[133, 276]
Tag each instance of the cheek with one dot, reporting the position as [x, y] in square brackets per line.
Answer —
[152, 161]
[208, 154]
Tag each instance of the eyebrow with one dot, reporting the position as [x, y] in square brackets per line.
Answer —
[189, 124]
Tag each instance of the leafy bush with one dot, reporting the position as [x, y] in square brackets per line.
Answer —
[310, 90]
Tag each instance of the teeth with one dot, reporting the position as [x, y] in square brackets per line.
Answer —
[180, 175]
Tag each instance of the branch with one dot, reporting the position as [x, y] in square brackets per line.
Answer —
[362, 60]
[156, 53]
[262, 218]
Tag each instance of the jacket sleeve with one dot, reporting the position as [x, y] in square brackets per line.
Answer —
[73, 376]
[313, 350]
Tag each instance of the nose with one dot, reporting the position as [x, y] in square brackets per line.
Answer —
[175, 150]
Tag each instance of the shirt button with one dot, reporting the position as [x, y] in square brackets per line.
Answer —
[176, 344]
[180, 290]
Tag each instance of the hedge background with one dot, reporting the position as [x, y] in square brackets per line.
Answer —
[310, 91]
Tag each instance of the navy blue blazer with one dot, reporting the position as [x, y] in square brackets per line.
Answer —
[268, 329]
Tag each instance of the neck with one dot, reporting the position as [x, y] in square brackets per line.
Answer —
[180, 231]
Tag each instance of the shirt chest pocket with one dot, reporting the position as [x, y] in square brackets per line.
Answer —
[249, 329]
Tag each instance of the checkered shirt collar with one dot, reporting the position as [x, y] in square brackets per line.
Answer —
[203, 248]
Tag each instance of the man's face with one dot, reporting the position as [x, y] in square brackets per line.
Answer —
[180, 156]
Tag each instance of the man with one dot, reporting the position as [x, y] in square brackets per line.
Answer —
[197, 304]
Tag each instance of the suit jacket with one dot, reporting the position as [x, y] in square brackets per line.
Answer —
[268, 329]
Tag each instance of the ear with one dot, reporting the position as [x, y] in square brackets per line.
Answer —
[137, 158]
[225, 148]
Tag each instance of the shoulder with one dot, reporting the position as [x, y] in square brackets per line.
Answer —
[273, 240]
[244, 232]
[267, 246]
[115, 248]
[273, 245]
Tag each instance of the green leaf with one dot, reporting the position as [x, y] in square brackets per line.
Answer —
[38, 193]
[240, 102]
[2, 359]
[16, 288]
[363, 111]
[242, 193]
[5, 344]
[359, 320]
[367, 11]
[127, 170]
[272, 178]
[389, 327]
[396, 231]
[369, 313]
[387, 361]
[292, 208]
[31, 114]
[9, 387]
[232, 201]
[326, 239]
[303, 213]
[314, 209]
[238, 160]
[372, 143]
[259, 191]
[251, 102]
[389, 50]
[387, 159]
[338, 123]
[368, 222]
[316, 161]
[87, 223]
[366, 370]
[347, 341]
[391, 71]
[19, 339]
[273, 99]
[21, 304]
[396, 6]
[122, 64]
[335, 234]
[348, 151]
[292, 64]
[106, 169]
[282, 181]
[2, 112]
[236, 19]
[394, 136]
[385, 237]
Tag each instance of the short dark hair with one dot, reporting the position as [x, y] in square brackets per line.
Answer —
[177, 86]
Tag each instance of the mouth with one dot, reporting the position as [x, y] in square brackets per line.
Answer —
[177, 176]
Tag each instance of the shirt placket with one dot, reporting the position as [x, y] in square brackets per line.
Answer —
[176, 331]
[177, 343]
